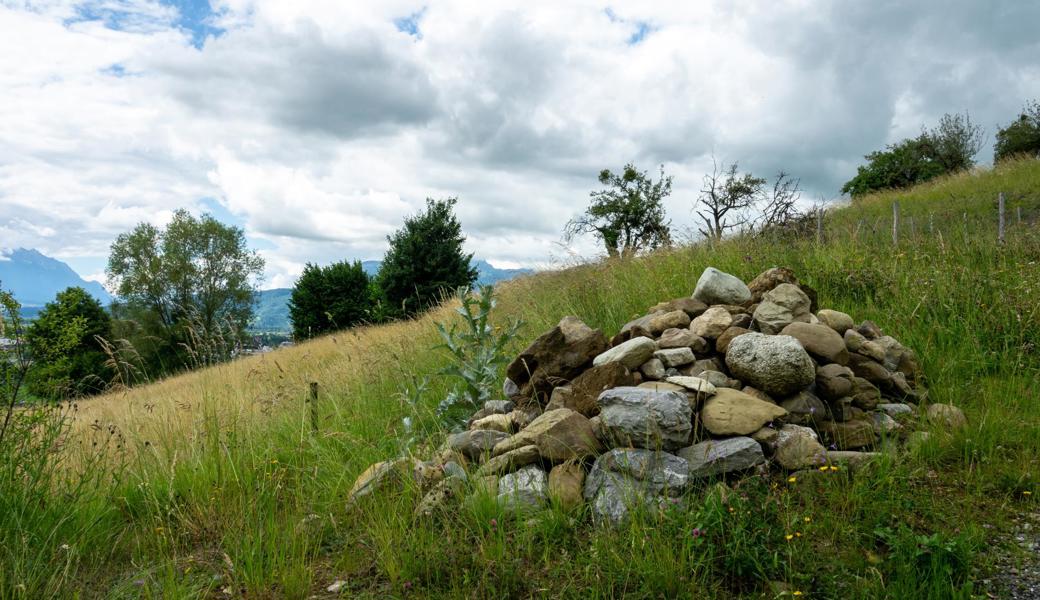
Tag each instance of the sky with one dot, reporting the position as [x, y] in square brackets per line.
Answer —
[317, 126]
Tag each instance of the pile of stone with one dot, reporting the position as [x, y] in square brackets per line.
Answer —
[736, 379]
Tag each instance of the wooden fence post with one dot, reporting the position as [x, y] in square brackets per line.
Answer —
[1018, 209]
[1000, 218]
[819, 225]
[895, 223]
[313, 401]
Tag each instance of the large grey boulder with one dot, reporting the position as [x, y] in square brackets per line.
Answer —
[716, 457]
[775, 364]
[781, 306]
[631, 354]
[675, 357]
[472, 444]
[716, 287]
[525, 489]
[624, 479]
[646, 418]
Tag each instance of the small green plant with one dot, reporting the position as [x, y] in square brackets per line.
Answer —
[476, 351]
[412, 396]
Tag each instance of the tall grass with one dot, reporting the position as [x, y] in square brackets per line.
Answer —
[214, 485]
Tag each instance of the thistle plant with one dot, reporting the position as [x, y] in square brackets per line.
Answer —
[476, 349]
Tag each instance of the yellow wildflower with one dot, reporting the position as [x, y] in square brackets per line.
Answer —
[789, 537]
[1027, 493]
[834, 468]
[807, 519]
[792, 479]
[796, 593]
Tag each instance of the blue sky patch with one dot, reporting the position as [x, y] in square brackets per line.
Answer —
[410, 24]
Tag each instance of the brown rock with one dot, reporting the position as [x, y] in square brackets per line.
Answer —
[668, 320]
[566, 483]
[857, 433]
[771, 278]
[730, 412]
[872, 350]
[561, 353]
[833, 381]
[690, 306]
[743, 320]
[711, 323]
[820, 341]
[510, 461]
[722, 343]
[946, 415]
[869, 330]
[682, 338]
[865, 395]
[853, 340]
[798, 448]
[560, 435]
[871, 370]
[836, 320]
[757, 393]
[497, 422]
[581, 394]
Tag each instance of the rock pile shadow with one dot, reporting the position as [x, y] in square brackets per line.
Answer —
[736, 379]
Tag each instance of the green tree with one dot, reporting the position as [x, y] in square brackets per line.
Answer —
[1021, 136]
[628, 216]
[425, 260]
[188, 288]
[62, 370]
[949, 147]
[328, 298]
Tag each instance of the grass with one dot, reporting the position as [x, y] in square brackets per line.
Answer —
[212, 484]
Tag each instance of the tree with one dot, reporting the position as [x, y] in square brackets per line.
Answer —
[189, 288]
[726, 199]
[628, 216]
[425, 260]
[948, 148]
[61, 369]
[1021, 136]
[781, 206]
[328, 298]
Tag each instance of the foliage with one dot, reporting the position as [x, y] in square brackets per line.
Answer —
[64, 368]
[476, 350]
[195, 273]
[948, 148]
[726, 199]
[425, 261]
[1021, 136]
[328, 298]
[628, 216]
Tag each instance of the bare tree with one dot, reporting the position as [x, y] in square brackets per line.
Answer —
[726, 199]
[781, 206]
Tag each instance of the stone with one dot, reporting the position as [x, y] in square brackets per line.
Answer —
[853, 340]
[869, 330]
[659, 472]
[510, 461]
[474, 443]
[702, 365]
[499, 406]
[682, 338]
[884, 425]
[653, 369]
[675, 357]
[524, 490]
[775, 364]
[722, 342]
[804, 408]
[781, 306]
[820, 341]
[716, 287]
[717, 457]
[566, 485]
[872, 350]
[768, 280]
[730, 412]
[720, 379]
[581, 394]
[766, 438]
[946, 415]
[510, 389]
[694, 384]
[856, 433]
[559, 354]
[833, 381]
[441, 496]
[872, 371]
[560, 434]
[712, 323]
[743, 320]
[661, 386]
[836, 320]
[798, 447]
[865, 395]
[841, 410]
[524, 416]
[631, 354]
[495, 422]
[896, 410]
[757, 393]
[850, 458]
[668, 320]
[646, 418]
[690, 306]
[378, 476]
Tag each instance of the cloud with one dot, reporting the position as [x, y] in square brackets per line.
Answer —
[319, 125]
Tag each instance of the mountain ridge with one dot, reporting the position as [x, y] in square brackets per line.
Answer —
[35, 279]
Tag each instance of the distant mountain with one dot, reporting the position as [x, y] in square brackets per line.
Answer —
[272, 306]
[35, 279]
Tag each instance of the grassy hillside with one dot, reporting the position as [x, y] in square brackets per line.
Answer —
[212, 484]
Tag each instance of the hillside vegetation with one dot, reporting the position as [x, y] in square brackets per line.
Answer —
[212, 484]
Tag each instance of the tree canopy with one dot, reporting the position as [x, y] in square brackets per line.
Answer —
[628, 215]
[328, 298]
[184, 286]
[64, 367]
[948, 148]
[1021, 136]
[425, 260]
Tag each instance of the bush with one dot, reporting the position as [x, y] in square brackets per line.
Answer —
[1021, 136]
[328, 298]
[78, 367]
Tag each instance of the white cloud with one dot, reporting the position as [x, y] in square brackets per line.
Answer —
[318, 125]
